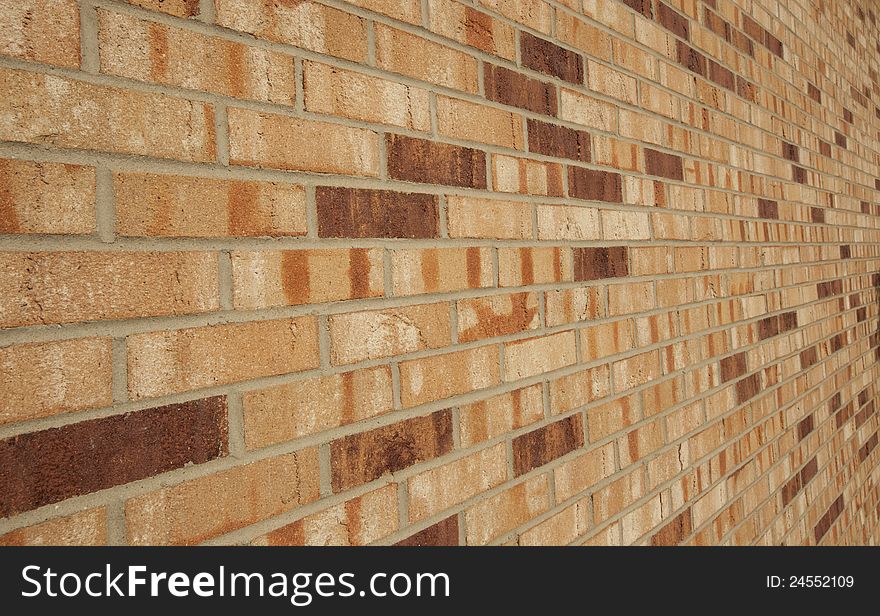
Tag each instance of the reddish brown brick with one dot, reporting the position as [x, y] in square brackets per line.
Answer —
[663, 164]
[689, 57]
[790, 152]
[768, 208]
[675, 531]
[644, 7]
[508, 87]
[748, 388]
[594, 185]
[809, 357]
[363, 457]
[733, 367]
[598, 263]
[543, 56]
[40, 468]
[444, 532]
[419, 160]
[805, 426]
[722, 76]
[672, 20]
[559, 141]
[353, 212]
[542, 446]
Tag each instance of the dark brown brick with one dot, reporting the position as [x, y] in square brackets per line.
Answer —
[599, 263]
[869, 446]
[773, 44]
[672, 20]
[361, 458]
[746, 89]
[354, 212]
[722, 76]
[799, 174]
[733, 367]
[790, 152]
[641, 6]
[790, 489]
[817, 214]
[847, 115]
[846, 251]
[662, 164]
[52, 465]
[814, 92]
[753, 29]
[748, 388]
[809, 357]
[444, 532]
[517, 90]
[676, 531]
[768, 327]
[840, 139]
[863, 397]
[742, 42]
[787, 321]
[559, 141]
[594, 185]
[843, 415]
[824, 148]
[420, 160]
[809, 471]
[541, 446]
[691, 58]
[717, 24]
[829, 288]
[805, 426]
[827, 520]
[545, 57]
[768, 209]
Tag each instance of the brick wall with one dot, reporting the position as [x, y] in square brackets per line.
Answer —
[439, 271]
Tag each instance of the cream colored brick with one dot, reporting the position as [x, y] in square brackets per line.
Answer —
[525, 358]
[468, 121]
[562, 222]
[501, 513]
[462, 372]
[488, 218]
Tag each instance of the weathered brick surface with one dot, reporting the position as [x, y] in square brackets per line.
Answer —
[498, 272]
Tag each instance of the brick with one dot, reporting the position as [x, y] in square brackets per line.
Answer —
[615, 416]
[444, 532]
[543, 56]
[46, 198]
[733, 367]
[499, 414]
[570, 392]
[528, 266]
[488, 218]
[526, 177]
[55, 111]
[525, 358]
[600, 263]
[768, 208]
[508, 87]
[468, 121]
[674, 532]
[419, 58]
[153, 52]
[576, 32]
[612, 83]
[374, 334]
[83, 528]
[199, 509]
[501, 513]
[577, 474]
[600, 341]
[561, 528]
[327, 90]
[151, 205]
[359, 521]
[419, 160]
[579, 109]
[558, 141]
[366, 456]
[404, 10]
[635, 371]
[641, 6]
[594, 185]
[472, 27]
[664, 165]
[441, 270]
[690, 58]
[172, 361]
[539, 447]
[672, 20]
[45, 31]
[41, 468]
[438, 489]
[294, 23]
[625, 225]
[560, 222]
[178, 8]
[291, 277]
[66, 287]
[42, 379]
[497, 315]
[535, 14]
[287, 412]
[748, 388]
[275, 141]
[463, 372]
[353, 212]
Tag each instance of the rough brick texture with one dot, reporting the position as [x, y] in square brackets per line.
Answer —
[439, 272]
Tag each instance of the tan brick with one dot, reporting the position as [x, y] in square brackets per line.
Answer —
[573, 305]
[153, 52]
[611, 417]
[469, 26]
[583, 472]
[525, 358]
[178, 206]
[494, 416]
[468, 121]
[185, 359]
[440, 270]
[630, 298]
[613, 498]
[359, 521]
[178, 8]
[304, 24]
[419, 58]
[636, 371]
[497, 315]
[528, 266]
[561, 528]
[636, 523]
[290, 411]
[442, 376]
[46, 378]
[526, 177]
[535, 14]
[612, 83]
[587, 111]
[620, 225]
[87, 527]
[275, 141]
[606, 339]
[488, 218]
[45, 31]
[290, 277]
[206, 507]
[372, 334]
[66, 287]
[438, 489]
[46, 198]
[330, 90]
[576, 390]
[561, 222]
[55, 111]
[405, 10]
[503, 512]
